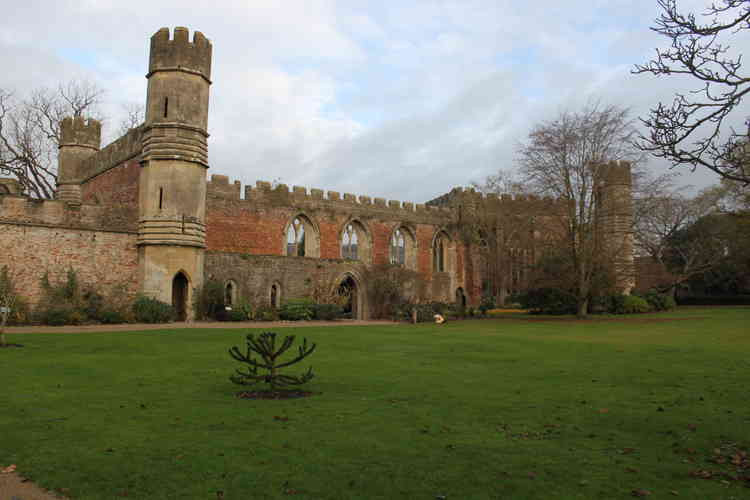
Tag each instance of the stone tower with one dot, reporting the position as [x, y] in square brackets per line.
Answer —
[79, 139]
[616, 219]
[172, 180]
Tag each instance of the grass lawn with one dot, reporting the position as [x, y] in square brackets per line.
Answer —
[506, 408]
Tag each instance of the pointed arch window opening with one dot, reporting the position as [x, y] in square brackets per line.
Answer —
[350, 243]
[229, 295]
[398, 248]
[295, 238]
[438, 255]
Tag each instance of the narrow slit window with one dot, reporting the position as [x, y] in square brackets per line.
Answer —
[166, 106]
[161, 198]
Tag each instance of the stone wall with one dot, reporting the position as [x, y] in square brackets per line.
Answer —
[296, 277]
[257, 225]
[100, 258]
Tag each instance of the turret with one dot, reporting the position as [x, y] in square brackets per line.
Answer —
[79, 139]
[616, 220]
[172, 182]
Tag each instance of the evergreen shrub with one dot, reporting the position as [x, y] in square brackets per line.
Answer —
[149, 310]
[297, 310]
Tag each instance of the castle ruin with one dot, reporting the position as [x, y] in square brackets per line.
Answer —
[141, 212]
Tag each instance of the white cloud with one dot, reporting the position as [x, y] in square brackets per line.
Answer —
[396, 99]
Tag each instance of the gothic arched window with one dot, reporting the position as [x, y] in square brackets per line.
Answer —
[350, 243]
[438, 254]
[295, 238]
[398, 248]
[230, 294]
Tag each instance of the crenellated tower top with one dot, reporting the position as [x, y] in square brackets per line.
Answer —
[78, 131]
[179, 53]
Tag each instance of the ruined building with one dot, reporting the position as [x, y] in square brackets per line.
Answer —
[142, 213]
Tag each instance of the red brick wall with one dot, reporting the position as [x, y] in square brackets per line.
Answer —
[100, 258]
[117, 186]
[234, 226]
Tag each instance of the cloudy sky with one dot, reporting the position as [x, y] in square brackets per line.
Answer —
[398, 99]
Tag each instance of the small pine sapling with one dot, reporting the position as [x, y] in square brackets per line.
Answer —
[265, 346]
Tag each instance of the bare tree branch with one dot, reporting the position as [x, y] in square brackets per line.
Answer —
[567, 158]
[691, 130]
[30, 132]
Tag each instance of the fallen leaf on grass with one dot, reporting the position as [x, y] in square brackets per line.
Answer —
[673, 492]
[283, 419]
[631, 469]
[640, 493]
[9, 469]
[627, 451]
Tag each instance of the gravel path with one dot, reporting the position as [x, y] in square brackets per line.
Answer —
[133, 327]
[15, 487]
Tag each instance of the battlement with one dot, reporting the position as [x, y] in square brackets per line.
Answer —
[79, 131]
[115, 153]
[220, 187]
[179, 53]
[57, 213]
[507, 203]
[618, 173]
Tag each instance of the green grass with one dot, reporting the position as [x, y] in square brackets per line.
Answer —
[505, 408]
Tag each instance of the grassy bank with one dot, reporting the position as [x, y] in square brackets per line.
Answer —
[506, 408]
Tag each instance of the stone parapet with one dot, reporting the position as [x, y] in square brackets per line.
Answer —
[58, 213]
[179, 53]
[220, 188]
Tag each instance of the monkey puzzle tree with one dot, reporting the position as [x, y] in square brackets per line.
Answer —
[265, 347]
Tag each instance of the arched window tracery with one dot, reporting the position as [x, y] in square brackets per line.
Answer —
[350, 243]
[438, 253]
[398, 248]
[295, 238]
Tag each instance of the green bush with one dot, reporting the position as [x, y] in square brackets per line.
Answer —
[660, 301]
[110, 317]
[148, 310]
[548, 301]
[327, 312]
[297, 310]
[626, 304]
[487, 304]
[634, 304]
[62, 314]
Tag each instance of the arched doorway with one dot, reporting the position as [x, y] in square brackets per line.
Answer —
[460, 298]
[349, 291]
[179, 296]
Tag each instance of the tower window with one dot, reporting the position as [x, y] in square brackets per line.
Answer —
[161, 198]
[166, 106]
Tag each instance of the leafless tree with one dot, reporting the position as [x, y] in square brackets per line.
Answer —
[567, 158]
[663, 217]
[692, 129]
[30, 131]
[503, 182]
[134, 116]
